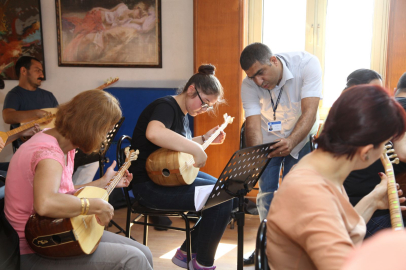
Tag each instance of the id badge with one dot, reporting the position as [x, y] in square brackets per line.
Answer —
[274, 126]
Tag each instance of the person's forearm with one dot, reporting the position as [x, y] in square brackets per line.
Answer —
[17, 117]
[253, 138]
[169, 139]
[253, 132]
[366, 206]
[302, 128]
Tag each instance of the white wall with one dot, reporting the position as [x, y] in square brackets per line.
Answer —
[66, 82]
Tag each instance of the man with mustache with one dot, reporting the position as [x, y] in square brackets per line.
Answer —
[280, 96]
[24, 102]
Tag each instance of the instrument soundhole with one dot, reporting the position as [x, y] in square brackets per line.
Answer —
[166, 172]
[56, 239]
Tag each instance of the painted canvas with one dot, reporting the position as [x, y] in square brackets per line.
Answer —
[20, 34]
[114, 33]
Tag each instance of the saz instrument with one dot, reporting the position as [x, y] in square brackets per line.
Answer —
[51, 124]
[5, 135]
[108, 83]
[65, 237]
[394, 205]
[171, 168]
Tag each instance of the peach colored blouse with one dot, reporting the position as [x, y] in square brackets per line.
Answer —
[311, 224]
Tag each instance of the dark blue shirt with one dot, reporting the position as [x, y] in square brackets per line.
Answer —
[21, 99]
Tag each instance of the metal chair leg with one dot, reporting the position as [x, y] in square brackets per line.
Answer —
[146, 230]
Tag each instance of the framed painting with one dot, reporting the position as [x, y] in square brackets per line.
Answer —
[20, 34]
[109, 33]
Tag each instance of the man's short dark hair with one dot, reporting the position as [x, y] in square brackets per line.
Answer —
[401, 87]
[253, 53]
[24, 61]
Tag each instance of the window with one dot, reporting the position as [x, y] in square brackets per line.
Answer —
[344, 34]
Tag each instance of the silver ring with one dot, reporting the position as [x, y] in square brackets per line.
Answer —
[280, 153]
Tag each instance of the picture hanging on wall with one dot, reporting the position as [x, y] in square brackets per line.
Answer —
[20, 34]
[109, 33]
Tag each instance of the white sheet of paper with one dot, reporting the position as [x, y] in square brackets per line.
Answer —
[201, 195]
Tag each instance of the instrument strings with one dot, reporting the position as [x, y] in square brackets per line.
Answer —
[109, 188]
[206, 144]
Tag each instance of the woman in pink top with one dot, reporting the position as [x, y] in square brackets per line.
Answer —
[40, 175]
[311, 223]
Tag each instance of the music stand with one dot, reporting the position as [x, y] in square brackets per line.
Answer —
[237, 179]
[83, 159]
[106, 145]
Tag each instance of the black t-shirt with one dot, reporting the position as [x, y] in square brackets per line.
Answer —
[167, 111]
[361, 182]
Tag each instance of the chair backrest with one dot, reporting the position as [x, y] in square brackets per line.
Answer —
[120, 150]
[261, 262]
[10, 243]
[120, 161]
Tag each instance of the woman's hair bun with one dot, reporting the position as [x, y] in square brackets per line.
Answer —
[208, 69]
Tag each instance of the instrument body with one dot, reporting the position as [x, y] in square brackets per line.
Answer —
[163, 167]
[171, 168]
[66, 237]
[394, 205]
[45, 124]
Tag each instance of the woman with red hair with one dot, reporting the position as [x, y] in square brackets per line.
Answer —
[311, 223]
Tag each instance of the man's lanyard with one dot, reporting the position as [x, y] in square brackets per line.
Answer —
[275, 106]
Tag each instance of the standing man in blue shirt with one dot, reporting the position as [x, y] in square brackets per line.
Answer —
[280, 96]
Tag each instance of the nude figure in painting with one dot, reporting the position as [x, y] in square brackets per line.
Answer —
[103, 32]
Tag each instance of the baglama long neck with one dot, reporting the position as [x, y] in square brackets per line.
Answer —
[394, 205]
[111, 185]
[29, 125]
[214, 135]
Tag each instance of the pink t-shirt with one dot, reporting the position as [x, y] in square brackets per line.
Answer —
[19, 195]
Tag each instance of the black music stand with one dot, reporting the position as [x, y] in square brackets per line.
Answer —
[237, 179]
[106, 145]
[83, 159]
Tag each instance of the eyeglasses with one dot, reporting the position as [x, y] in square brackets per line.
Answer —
[205, 106]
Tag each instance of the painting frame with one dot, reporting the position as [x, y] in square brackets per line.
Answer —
[121, 33]
[20, 35]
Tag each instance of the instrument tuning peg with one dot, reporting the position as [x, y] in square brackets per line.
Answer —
[393, 156]
[395, 161]
[391, 151]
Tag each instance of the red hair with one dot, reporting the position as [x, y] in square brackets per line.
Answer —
[362, 115]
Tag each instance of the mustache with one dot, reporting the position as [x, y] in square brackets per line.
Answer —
[41, 78]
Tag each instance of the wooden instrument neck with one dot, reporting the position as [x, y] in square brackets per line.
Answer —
[111, 185]
[214, 135]
[29, 125]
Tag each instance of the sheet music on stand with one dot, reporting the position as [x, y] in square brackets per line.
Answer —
[238, 178]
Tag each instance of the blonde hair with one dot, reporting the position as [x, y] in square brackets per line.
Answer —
[87, 118]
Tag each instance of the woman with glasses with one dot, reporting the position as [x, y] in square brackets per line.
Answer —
[164, 124]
